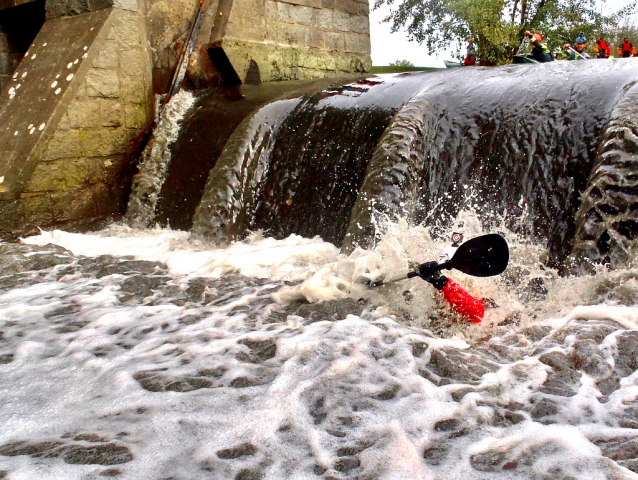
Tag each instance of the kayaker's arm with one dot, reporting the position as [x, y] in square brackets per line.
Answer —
[462, 302]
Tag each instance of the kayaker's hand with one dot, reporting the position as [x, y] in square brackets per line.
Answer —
[430, 273]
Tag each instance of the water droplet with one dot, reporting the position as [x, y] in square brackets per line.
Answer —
[76, 61]
[69, 65]
[15, 75]
[15, 133]
[58, 91]
[31, 130]
[33, 56]
[24, 75]
[18, 85]
[42, 125]
[69, 77]
[57, 76]
[85, 55]
[30, 126]
[44, 44]
[54, 84]
[85, 48]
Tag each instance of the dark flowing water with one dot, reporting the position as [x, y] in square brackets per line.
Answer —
[513, 141]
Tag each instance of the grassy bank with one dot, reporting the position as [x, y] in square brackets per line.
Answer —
[388, 69]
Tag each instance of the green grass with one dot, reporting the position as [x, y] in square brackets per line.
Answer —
[387, 69]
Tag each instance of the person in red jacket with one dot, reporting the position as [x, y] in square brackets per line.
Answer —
[626, 48]
[602, 49]
[463, 303]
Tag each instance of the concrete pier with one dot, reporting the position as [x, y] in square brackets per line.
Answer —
[79, 102]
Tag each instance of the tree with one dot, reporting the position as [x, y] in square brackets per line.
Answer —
[402, 63]
[498, 26]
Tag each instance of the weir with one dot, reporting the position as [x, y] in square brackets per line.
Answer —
[507, 142]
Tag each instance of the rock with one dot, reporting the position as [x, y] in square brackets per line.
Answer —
[543, 408]
[103, 454]
[460, 366]
[488, 461]
[242, 450]
[260, 350]
[17, 258]
[447, 425]
[346, 464]
[434, 455]
[625, 355]
[40, 449]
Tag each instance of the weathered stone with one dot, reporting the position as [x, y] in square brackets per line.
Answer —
[102, 82]
[245, 449]
[41, 449]
[133, 90]
[132, 63]
[111, 112]
[63, 144]
[488, 461]
[37, 210]
[108, 56]
[135, 115]
[626, 358]
[75, 205]
[84, 113]
[434, 455]
[346, 464]
[126, 30]
[260, 350]
[103, 142]
[104, 454]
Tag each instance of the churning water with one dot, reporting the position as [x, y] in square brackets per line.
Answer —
[156, 354]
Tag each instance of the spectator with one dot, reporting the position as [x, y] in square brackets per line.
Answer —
[626, 49]
[602, 49]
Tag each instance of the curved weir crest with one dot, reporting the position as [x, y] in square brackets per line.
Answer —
[422, 146]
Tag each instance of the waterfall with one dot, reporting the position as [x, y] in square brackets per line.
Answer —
[155, 161]
[608, 216]
[333, 160]
[509, 140]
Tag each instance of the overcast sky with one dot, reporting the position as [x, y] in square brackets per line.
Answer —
[388, 47]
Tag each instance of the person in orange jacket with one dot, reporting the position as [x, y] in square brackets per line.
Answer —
[602, 49]
[463, 303]
[626, 49]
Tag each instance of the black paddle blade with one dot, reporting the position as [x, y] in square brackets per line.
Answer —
[483, 256]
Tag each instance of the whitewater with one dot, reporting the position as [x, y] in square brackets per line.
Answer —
[148, 354]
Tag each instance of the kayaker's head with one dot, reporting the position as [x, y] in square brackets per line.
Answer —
[626, 40]
[581, 43]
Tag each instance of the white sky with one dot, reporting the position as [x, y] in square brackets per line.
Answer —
[388, 47]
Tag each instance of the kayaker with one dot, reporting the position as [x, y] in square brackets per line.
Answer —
[578, 51]
[626, 49]
[470, 57]
[463, 303]
[602, 49]
[540, 52]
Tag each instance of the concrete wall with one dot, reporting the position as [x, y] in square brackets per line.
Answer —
[299, 39]
[77, 107]
[284, 39]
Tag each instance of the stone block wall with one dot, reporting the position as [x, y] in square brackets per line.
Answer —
[291, 40]
[284, 39]
[79, 106]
